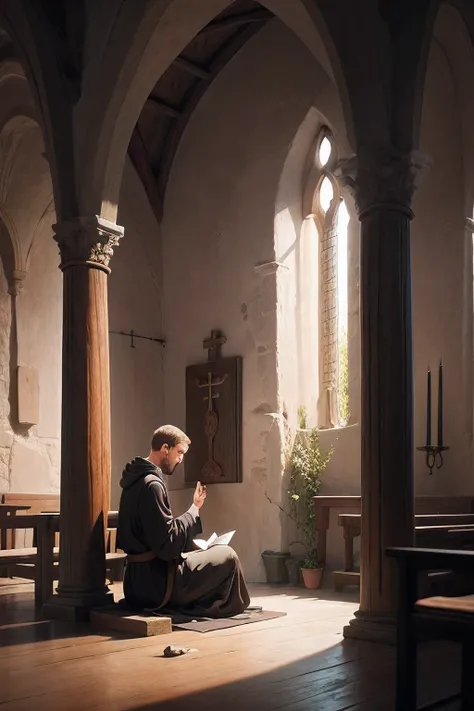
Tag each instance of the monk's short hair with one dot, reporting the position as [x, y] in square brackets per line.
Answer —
[170, 435]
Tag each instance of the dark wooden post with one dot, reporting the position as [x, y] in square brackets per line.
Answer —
[47, 526]
[384, 184]
[86, 246]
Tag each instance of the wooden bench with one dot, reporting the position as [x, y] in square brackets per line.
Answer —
[39, 563]
[450, 618]
[40, 557]
[352, 504]
[37, 503]
[20, 565]
[430, 530]
[26, 538]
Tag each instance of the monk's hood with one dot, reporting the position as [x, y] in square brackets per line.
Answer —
[136, 470]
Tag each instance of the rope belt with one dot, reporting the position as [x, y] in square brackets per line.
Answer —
[148, 556]
[141, 557]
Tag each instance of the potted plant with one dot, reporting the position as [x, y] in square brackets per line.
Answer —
[307, 463]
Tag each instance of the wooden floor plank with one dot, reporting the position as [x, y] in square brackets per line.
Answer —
[297, 662]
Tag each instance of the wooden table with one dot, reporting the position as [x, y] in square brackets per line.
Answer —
[7, 511]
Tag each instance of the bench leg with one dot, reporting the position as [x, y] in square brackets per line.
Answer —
[44, 568]
[467, 677]
[407, 648]
[348, 550]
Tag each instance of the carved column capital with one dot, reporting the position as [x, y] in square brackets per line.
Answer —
[87, 240]
[469, 224]
[384, 178]
[16, 281]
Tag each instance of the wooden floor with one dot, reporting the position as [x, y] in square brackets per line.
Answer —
[297, 663]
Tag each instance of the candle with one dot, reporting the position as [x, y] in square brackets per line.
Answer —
[440, 405]
[428, 410]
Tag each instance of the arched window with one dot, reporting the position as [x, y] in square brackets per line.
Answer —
[331, 218]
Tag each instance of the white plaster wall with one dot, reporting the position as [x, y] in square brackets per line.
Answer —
[31, 335]
[439, 283]
[31, 321]
[220, 272]
[6, 435]
[135, 303]
[35, 455]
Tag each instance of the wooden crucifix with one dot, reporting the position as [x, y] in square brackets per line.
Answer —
[211, 468]
[214, 345]
[213, 419]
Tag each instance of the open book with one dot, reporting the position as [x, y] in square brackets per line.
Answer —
[213, 540]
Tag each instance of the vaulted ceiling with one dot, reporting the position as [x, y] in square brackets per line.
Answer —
[176, 94]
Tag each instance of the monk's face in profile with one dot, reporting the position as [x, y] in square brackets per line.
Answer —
[172, 456]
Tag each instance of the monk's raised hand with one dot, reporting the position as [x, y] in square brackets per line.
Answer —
[199, 495]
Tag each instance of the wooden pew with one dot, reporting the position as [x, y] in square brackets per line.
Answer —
[450, 618]
[26, 538]
[440, 530]
[38, 563]
[38, 503]
[42, 556]
[352, 504]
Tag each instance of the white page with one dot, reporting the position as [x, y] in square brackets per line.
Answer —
[213, 540]
[204, 545]
[225, 539]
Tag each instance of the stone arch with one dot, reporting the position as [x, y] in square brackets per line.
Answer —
[158, 37]
[24, 176]
[451, 32]
[411, 61]
[9, 247]
[31, 47]
[19, 116]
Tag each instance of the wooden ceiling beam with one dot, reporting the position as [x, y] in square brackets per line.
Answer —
[141, 160]
[235, 21]
[192, 68]
[245, 26]
[176, 129]
[163, 107]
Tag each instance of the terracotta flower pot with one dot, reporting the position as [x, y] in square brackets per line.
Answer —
[312, 577]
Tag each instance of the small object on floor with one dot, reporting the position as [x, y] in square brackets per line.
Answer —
[173, 650]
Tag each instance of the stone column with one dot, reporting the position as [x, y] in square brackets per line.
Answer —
[383, 186]
[86, 246]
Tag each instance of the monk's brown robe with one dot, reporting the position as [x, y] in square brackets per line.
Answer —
[206, 584]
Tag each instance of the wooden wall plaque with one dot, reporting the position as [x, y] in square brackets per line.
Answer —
[214, 421]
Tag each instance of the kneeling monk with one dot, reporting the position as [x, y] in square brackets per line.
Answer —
[205, 584]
